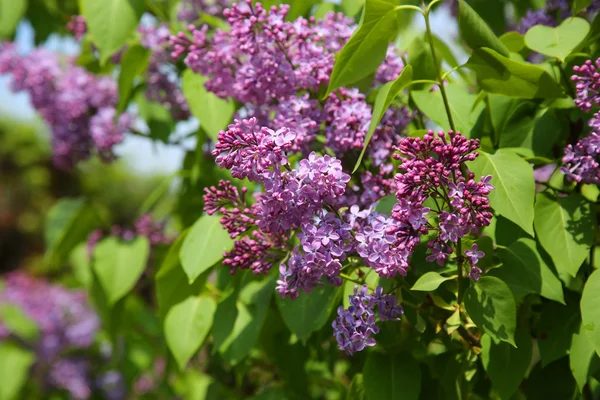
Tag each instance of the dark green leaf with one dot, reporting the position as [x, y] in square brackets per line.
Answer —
[213, 112]
[133, 65]
[68, 223]
[111, 23]
[420, 58]
[502, 75]
[429, 282]
[514, 191]
[119, 265]
[385, 204]
[309, 312]
[366, 49]
[11, 12]
[558, 323]
[557, 42]
[392, 376]
[476, 32]
[384, 98]
[186, 326]
[204, 246]
[580, 5]
[15, 363]
[506, 365]
[357, 388]
[565, 228]
[491, 305]
[524, 271]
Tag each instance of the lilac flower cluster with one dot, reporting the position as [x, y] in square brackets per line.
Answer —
[78, 106]
[587, 84]
[65, 322]
[553, 12]
[582, 161]
[77, 26]
[431, 169]
[191, 10]
[354, 327]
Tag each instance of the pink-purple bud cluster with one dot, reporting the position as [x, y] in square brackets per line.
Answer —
[78, 106]
[355, 326]
[77, 26]
[587, 84]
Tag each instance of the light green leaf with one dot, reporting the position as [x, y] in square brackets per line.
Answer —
[476, 32]
[502, 75]
[352, 7]
[366, 49]
[506, 365]
[429, 282]
[19, 323]
[68, 223]
[213, 112]
[111, 23]
[565, 228]
[514, 41]
[186, 326]
[590, 310]
[491, 305]
[357, 388]
[420, 58]
[514, 191]
[119, 264]
[133, 65]
[393, 376]
[557, 42]
[15, 363]
[309, 312]
[462, 106]
[11, 12]
[524, 271]
[384, 98]
[204, 246]
[580, 356]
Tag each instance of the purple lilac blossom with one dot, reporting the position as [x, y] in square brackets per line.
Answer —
[473, 256]
[582, 160]
[191, 10]
[355, 326]
[554, 12]
[77, 26]
[74, 103]
[587, 78]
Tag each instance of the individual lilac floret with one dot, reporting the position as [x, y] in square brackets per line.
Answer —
[474, 255]
[582, 161]
[323, 246]
[77, 26]
[355, 326]
[248, 150]
[587, 78]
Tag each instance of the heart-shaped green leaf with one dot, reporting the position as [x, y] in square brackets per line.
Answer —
[557, 42]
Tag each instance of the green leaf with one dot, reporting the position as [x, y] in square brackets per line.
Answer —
[514, 41]
[502, 75]
[204, 246]
[393, 376]
[370, 278]
[462, 106]
[514, 191]
[213, 112]
[68, 223]
[11, 12]
[366, 49]
[565, 229]
[309, 312]
[558, 323]
[557, 42]
[15, 363]
[580, 5]
[186, 326]
[506, 365]
[429, 282]
[420, 58]
[111, 23]
[133, 65]
[19, 323]
[253, 303]
[357, 388]
[384, 98]
[119, 264]
[580, 356]
[524, 271]
[491, 305]
[352, 7]
[476, 32]
[385, 204]
[590, 309]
